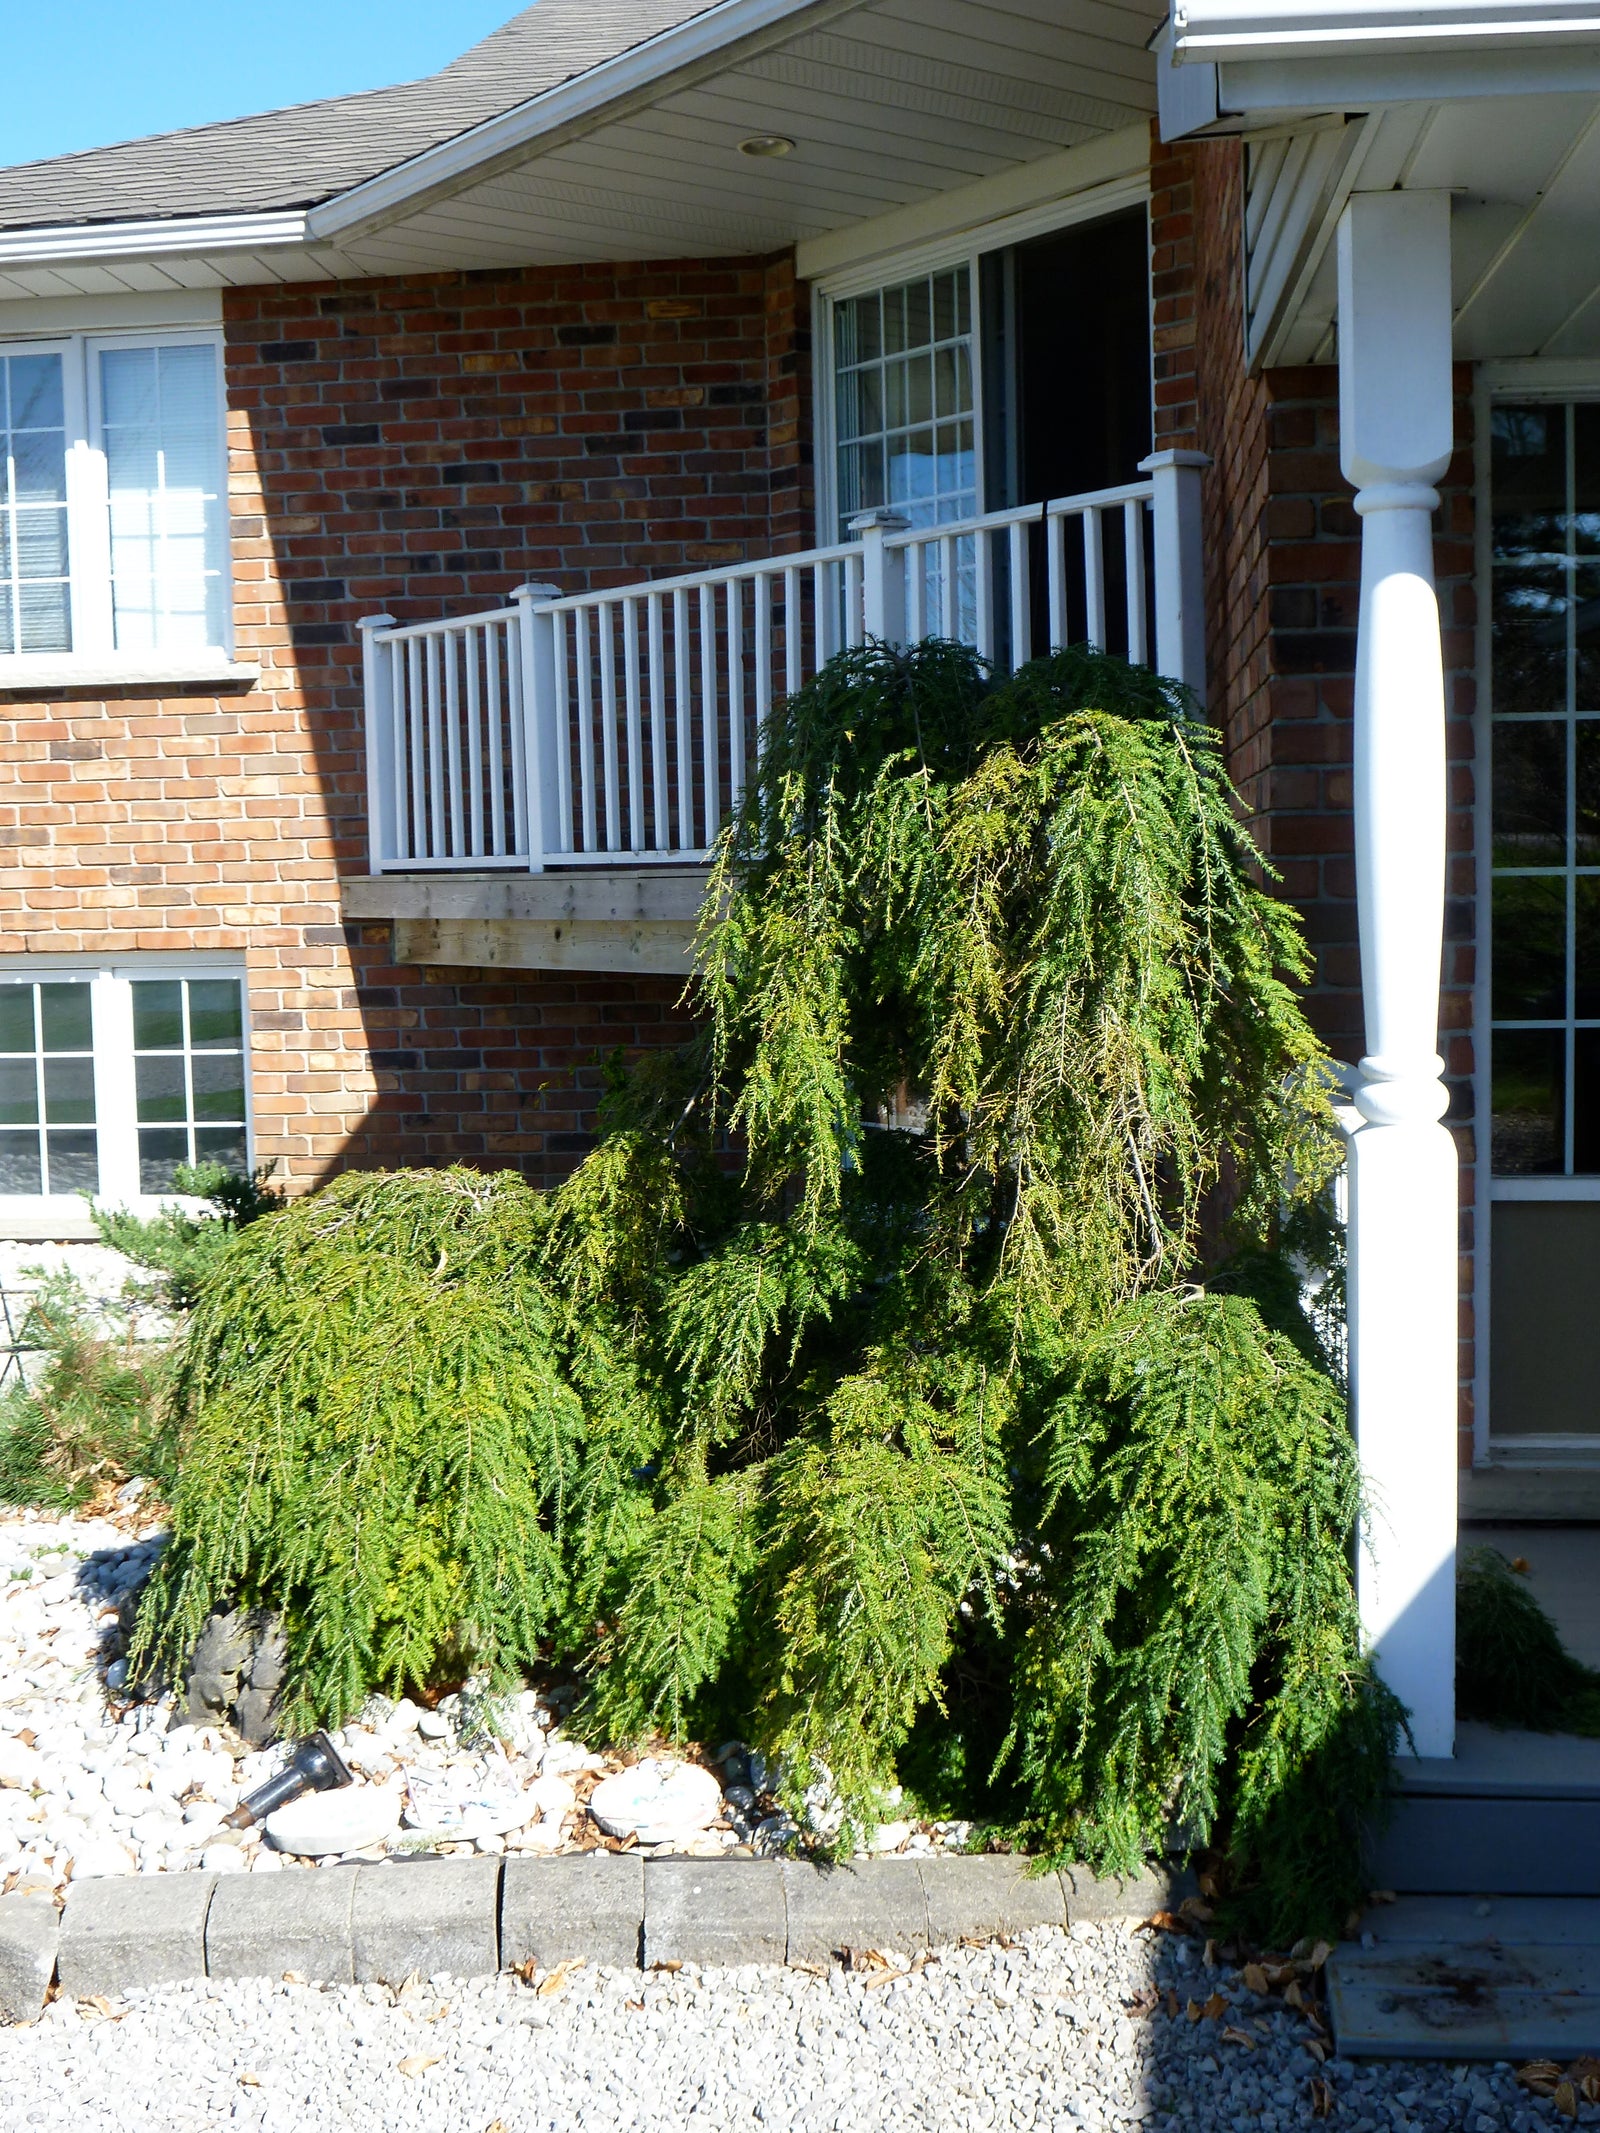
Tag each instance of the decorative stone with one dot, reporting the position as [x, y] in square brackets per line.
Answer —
[432, 1725]
[656, 1801]
[99, 1856]
[321, 1825]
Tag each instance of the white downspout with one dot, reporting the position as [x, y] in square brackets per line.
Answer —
[1396, 437]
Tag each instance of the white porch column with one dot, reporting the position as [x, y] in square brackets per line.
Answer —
[1395, 428]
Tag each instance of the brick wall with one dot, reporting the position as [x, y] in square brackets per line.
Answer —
[420, 445]
[1283, 574]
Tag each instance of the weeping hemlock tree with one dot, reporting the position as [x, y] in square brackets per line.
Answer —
[890, 1386]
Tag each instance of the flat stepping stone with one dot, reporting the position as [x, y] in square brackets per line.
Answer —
[656, 1801]
[322, 1825]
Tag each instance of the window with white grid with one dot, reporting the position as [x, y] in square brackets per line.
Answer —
[113, 527]
[113, 1079]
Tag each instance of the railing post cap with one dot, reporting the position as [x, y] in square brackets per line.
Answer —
[537, 592]
[1173, 457]
[879, 520]
[376, 622]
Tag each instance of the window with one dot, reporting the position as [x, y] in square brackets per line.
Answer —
[112, 512]
[1545, 835]
[111, 1079]
[904, 402]
[188, 1072]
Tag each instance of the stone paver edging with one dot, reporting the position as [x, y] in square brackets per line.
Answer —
[472, 1917]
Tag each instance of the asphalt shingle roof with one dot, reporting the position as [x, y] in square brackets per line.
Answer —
[296, 157]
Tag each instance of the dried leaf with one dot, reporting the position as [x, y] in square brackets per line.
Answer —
[1321, 2098]
[1197, 1908]
[1209, 1885]
[417, 2063]
[1566, 2099]
[1589, 2088]
[1521, 1565]
[1172, 2003]
[1255, 1980]
[1195, 2011]
[1230, 2035]
[1317, 2049]
[1208, 1955]
[1215, 2008]
[635, 2006]
[294, 1977]
[1145, 2001]
[1320, 1953]
[1161, 1922]
[1540, 2076]
[558, 1976]
[249, 2081]
[1292, 1995]
[673, 1966]
[97, 2000]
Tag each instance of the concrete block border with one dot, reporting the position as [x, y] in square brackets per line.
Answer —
[471, 1917]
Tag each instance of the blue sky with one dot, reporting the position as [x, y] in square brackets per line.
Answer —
[80, 73]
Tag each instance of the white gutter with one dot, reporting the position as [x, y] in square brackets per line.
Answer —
[144, 240]
[724, 34]
[1272, 29]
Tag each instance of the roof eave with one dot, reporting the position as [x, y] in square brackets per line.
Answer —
[720, 36]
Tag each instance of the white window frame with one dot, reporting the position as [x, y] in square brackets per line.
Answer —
[937, 255]
[40, 1216]
[94, 647]
[1537, 378]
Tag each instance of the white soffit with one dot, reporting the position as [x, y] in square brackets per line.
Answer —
[127, 311]
[889, 102]
[1525, 232]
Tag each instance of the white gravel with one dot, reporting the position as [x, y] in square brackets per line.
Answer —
[91, 1786]
[1031, 2035]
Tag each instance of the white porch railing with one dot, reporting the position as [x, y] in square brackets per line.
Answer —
[617, 727]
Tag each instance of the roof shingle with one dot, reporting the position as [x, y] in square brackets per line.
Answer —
[306, 153]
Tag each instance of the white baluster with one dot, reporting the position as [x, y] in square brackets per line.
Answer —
[474, 646]
[1133, 570]
[684, 710]
[794, 630]
[712, 799]
[449, 651]
[606, 651]
[1396, 435]
[1094, 579]
[377, 682]
[763, 659]
[1021, 595]
[417, 827]
[1055, 552]
[436, 838]
[659, 775]
[735, 691]
[583, 656]
[500, 641]
[635, 716]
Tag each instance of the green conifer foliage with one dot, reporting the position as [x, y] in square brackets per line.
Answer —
[864, 1392]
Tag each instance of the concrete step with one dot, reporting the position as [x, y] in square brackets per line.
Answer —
[1511, 1814]
[1470, 1978]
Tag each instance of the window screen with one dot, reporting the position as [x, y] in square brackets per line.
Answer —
[164, 477]
[48, 1142]
[35, 614]
[188, 1067]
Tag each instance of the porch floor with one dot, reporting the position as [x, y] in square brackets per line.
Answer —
[1563, 1572]
[1464, 1977]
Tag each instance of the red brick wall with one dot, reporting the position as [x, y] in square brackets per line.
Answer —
[1283, 575]
[421, 445]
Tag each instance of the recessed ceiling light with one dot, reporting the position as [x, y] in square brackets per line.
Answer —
[766, 144]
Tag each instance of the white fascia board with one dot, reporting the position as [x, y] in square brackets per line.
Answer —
[1221, 30]
[1292, 84]
[719, 36]
[151, 240]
